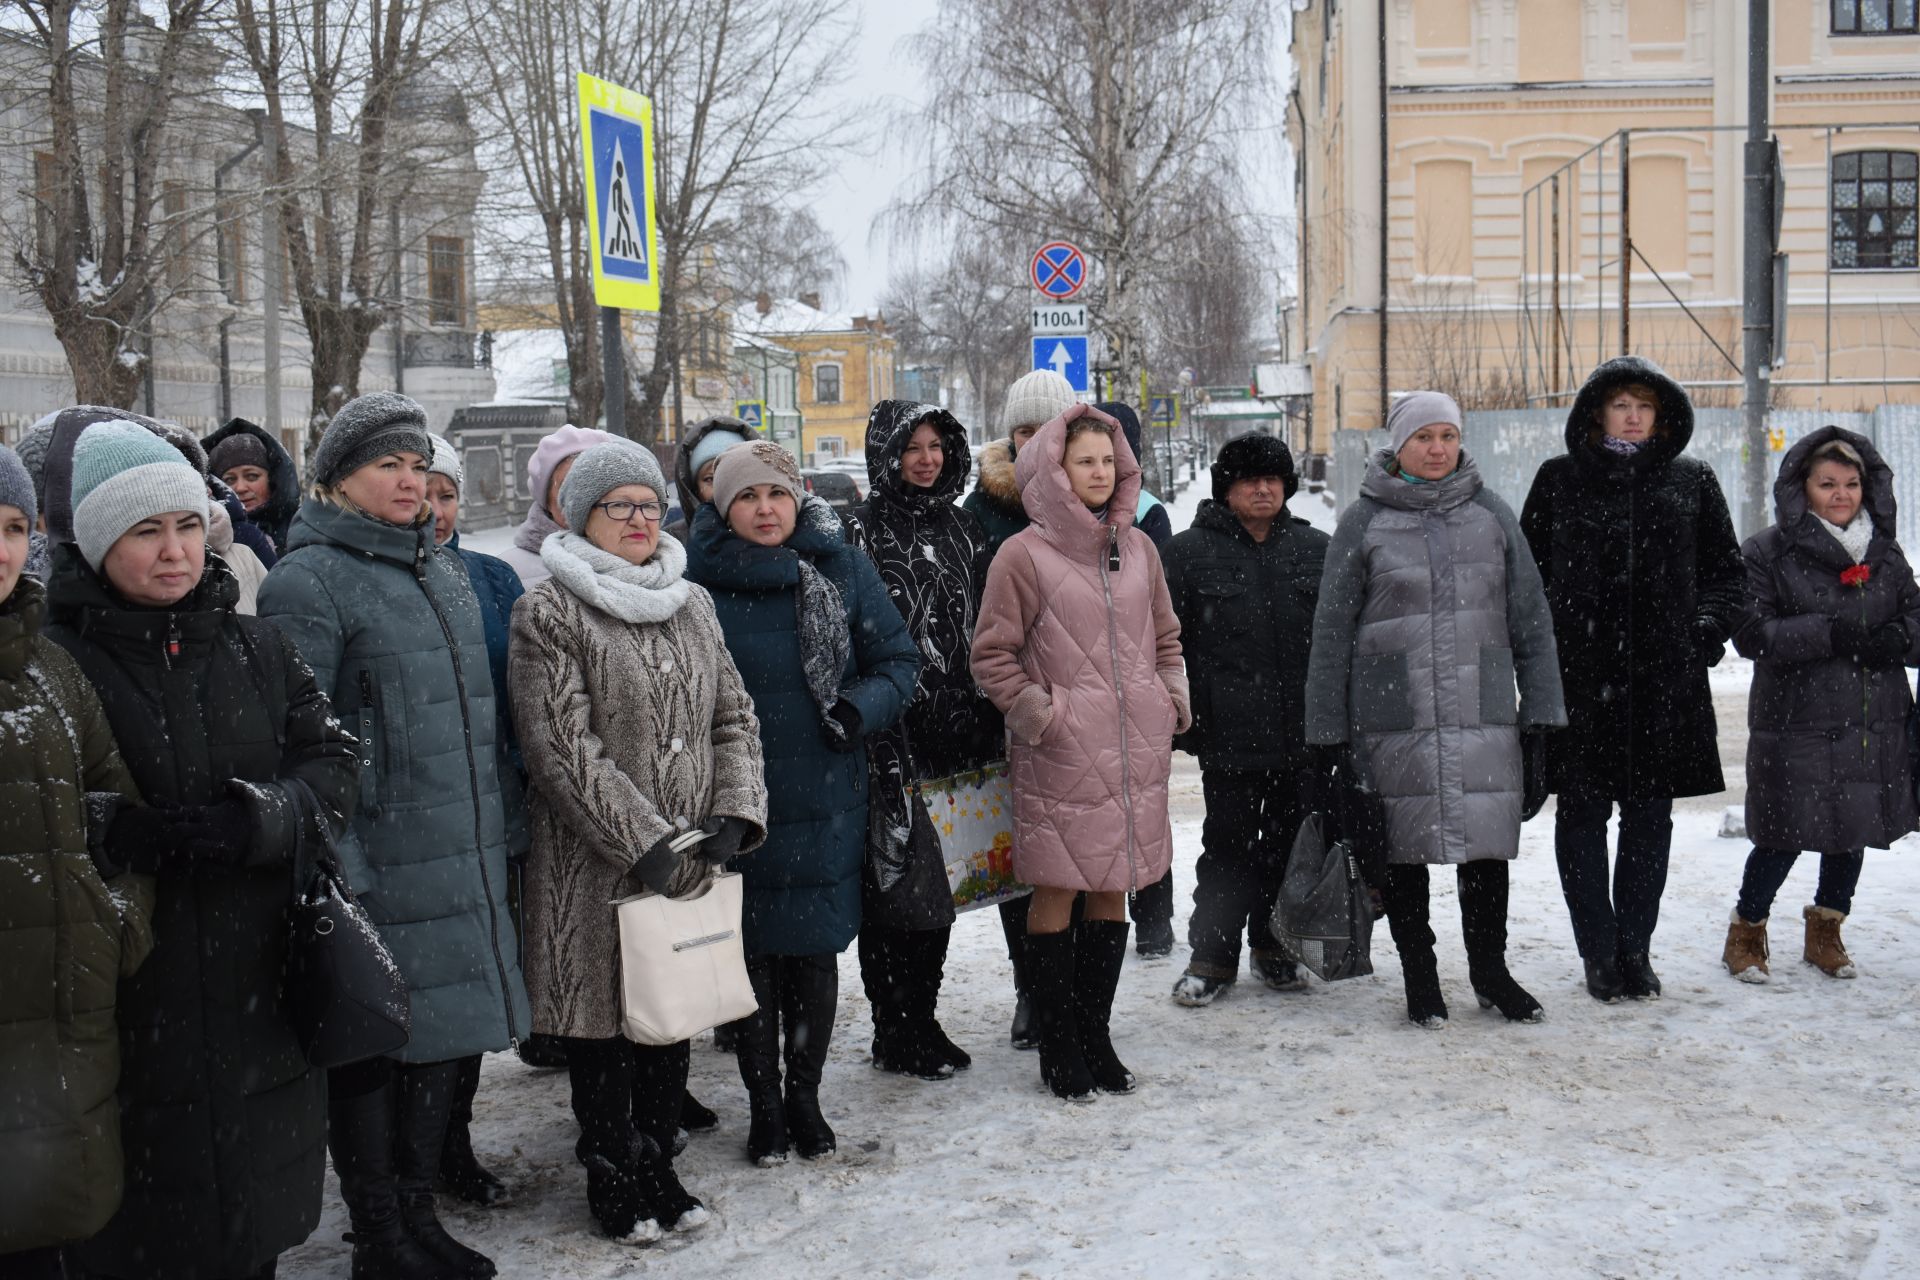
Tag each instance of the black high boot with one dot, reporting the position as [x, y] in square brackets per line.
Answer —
[426, 1099]
[461, 1173]
[1050, 973]
[1483, 923]
[1101, 948]
[809, 993]
[1405, 893]
[360, 1136]
[889, 972]
[756, 1046]
[658, 1078]
[929, 969]
[610, 1146]
[1013, 922]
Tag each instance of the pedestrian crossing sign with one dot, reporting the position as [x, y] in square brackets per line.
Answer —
[751, 412]
[616, 145]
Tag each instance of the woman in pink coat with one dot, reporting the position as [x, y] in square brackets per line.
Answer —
[1078, 645]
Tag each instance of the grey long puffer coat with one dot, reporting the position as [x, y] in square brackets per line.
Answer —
[1430, 608]
[392, 631]
[1827, 761]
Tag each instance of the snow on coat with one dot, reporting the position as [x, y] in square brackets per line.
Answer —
[630, 730]
[1430, 609]
[392, 630]
[66, 939]
[803, 884]
[223, 1120]
[1084, 661]
[1828, 764]
[1643, 575]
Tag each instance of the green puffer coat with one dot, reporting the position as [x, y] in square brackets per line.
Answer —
[392, 630]
[65, 940]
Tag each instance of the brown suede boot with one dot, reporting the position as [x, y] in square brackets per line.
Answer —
[1746, 951]
[1824, 950]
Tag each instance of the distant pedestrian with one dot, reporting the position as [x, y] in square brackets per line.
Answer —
[1832, 623]
[694, 459]
[933, 559]
[828, 662]
[261, 474]
[1430, 610]
[1079, 647]
[1642, 570]
[1244, 580]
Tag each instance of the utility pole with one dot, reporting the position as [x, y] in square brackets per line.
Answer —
[1757, 270]
[273, 261]
[613, 356]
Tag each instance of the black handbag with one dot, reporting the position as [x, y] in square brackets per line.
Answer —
[903, 883]
[1323, 917]
[344, 996]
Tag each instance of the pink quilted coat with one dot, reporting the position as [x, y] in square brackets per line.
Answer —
[1084, 659]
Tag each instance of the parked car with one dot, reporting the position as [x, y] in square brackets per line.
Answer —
[854, 465]
[835, 487]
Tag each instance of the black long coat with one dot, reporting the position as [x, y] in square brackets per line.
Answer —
[222, 1120]
[1246, 621]
[1827, 758]
[1643, 574]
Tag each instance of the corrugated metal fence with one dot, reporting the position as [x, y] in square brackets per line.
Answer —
[1508, 445]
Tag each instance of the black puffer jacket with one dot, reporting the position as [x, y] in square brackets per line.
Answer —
[1643, 575]
[933, 558]
[1246, 620]
[223, 1122]
[1827, 756]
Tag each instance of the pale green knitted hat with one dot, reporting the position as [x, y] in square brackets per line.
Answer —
[123, 474]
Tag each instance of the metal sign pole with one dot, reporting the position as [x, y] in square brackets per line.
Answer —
[613, 359]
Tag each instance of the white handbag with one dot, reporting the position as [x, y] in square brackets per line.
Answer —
[683, 968]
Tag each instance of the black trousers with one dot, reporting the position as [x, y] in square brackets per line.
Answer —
[1252, 817]
[1619, 922]
[1767, 870]
[1153, 904]
[620, 1087]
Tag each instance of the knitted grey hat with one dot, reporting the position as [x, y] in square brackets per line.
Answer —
[16, 486]
[601, 470]
[369, 427]
[446, 462]
[241, 449]
[1037, 398]
[1419, 409]
[760, 462]
[124, 473]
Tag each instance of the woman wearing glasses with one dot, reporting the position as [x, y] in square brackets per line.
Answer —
[635, 728]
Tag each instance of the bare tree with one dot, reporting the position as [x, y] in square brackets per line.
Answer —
[95, 275]
[968, 313]
[738, 89]
[1111, 124]
[781, 252]
[1211, 296]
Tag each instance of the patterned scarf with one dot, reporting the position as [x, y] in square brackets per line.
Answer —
[1625, 448]
[826, 642]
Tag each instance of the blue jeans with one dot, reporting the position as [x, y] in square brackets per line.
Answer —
[1767, 870]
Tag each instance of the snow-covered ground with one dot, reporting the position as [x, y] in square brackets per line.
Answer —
[1727, 1130]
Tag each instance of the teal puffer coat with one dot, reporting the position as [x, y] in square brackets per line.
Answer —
[392, 630]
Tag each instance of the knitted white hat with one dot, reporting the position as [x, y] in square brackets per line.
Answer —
[1036, 398]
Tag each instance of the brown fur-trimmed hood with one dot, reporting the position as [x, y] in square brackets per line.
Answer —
[995, 462]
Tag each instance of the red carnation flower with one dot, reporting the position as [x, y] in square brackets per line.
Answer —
[1856, 576]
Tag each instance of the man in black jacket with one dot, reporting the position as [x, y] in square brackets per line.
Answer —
[1245, 579]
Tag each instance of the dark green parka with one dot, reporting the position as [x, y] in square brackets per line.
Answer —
[66, 937]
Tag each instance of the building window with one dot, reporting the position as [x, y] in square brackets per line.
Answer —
[446, 279]
[1875, 212]
[1874, 17]
[826, 384]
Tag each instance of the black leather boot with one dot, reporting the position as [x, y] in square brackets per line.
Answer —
[1100, 950]
[756, 1044]
[461, 1173]
[1050, 971]
[425, 1101]
[360, 1136]
[613, 1149]
[1405, 894]
[1013, 921]
[889, 962]
[929, 970]
[809, 993]
[658, 1081]
[1483, 924]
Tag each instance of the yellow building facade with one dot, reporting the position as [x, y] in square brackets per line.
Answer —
[1532, 146]
[846, 365]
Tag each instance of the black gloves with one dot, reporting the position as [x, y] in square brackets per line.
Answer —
[1327, 773]
[657, 865]
[727, 835]
[847, 717]
[1848, 637]
[157, 839]
[1707, 641]
[1886, 646]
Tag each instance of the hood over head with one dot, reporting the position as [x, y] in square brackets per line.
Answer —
[1673, 422]
[57, 478]
[890, 428]
[283, 476]
[1049, 499]
[1876, 485]
[707, 438]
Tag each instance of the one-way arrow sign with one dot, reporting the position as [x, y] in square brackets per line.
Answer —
[1066, 355]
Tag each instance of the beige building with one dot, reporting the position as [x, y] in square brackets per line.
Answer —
[845, 366]
[1626, 118]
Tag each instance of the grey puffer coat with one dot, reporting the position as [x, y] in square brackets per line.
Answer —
[1827, 757]
[1430, 609]
[393, 633]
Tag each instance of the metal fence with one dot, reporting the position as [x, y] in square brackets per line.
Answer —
[1508, 445]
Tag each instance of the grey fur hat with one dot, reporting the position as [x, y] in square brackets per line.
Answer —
[601, 470]
[369, 427]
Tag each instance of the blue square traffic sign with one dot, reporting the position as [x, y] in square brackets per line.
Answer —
[1066, 355]
[620, 186]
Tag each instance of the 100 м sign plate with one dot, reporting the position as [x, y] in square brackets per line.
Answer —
[1060, 318]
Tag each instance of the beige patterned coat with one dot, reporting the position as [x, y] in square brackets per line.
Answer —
[628, 729]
